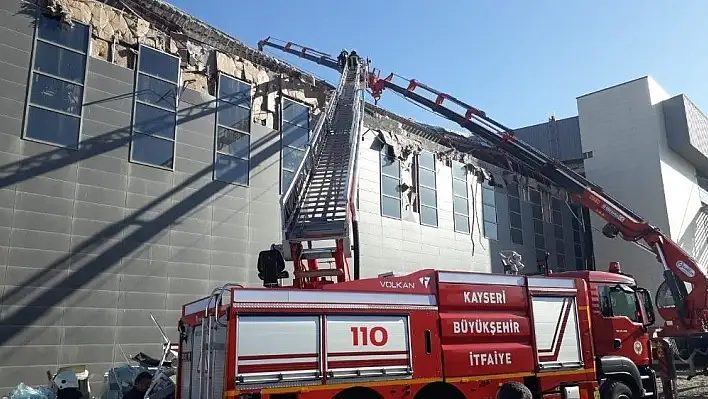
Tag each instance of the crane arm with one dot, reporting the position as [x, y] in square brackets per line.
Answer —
[686, 314]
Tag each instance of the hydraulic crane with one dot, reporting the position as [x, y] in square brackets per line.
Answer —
[684, 292]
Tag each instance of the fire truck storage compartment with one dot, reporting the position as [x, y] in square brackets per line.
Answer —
[555, 316]
[361, 346]
[202, 360]
[278, 348]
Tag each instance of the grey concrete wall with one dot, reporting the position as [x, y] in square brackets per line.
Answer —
[559, 139]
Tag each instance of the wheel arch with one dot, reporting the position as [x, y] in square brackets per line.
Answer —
[439, 389]
[620, 368]
[358, 393]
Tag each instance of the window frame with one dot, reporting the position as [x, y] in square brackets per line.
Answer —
[33, 71]
[604, 294]
[283, 99]
[384, 153]
[455, 213]
[434, 189]
[177, 84]
[486, 186]
[516, 195]
[217, 125]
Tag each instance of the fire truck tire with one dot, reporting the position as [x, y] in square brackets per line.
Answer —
[358, 393]
[615, 390]
[439, 390]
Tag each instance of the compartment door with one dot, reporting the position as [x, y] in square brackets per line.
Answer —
[557, 337]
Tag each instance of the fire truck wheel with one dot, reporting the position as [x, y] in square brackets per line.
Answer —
[358, 393]
[615, 390]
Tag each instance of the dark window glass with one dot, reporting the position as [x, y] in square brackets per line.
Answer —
[287, 179]
[232, 142]
[231, 170]
[560, 260]
[295, 136]
[292, 157]
[295, 113]
[391, 207]
[426, 160]
[535, 197]
[157, 92]
[490, 213]
[462, 224]
[512, 189]
[616, 302]
[390, 186]
[490, 230]
[53, 30]
[159, 64]
[57, 94]
[576, 224]
[460, 205]
[53, 127]
[514, 205]
[560, 246]
[556, 204]
[576, 236]
[558, 232]
[539, 241]
[60, 62]
[579, 264]
[235, 117]
[536, 211]
[390, 167]
[488, 196]
[427, 178]
[538, 226]
[578, 250]
[459, 171]
[234, 91]
[515, 219]
[428, 216]
[540, 255]
[428, 197]
[459, 187]
[557, 217]
[152, 150]
[156, 121]
[517, 236]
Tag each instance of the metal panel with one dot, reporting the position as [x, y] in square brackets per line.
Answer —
[557, 337]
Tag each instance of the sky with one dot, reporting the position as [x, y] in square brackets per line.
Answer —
[520, 61]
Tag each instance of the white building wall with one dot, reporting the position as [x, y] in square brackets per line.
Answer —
[623, 127]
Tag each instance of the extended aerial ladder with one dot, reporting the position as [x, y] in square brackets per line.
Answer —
[318, 207]
[685, 290]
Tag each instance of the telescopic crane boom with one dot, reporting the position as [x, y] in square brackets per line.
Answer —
[685, 280]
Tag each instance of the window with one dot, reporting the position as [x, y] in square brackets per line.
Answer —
[295, 134]
[557, 219]
[588, 154]
[427, 189]
[390, 184]
[56, 95]
[460, 199]
[155, 109]
[489, 211]
[577, 237]
[515, 225]
[233, 131]
[619, 301]
[538, 223]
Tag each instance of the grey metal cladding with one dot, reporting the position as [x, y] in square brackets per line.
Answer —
[687, 131]
[558, 139]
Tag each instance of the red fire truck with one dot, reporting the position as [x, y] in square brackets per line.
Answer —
[433, 334]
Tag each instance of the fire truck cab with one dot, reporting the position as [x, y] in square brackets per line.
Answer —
[429, 334]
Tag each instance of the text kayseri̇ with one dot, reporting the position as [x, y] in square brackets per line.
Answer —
[485, 297]
[479, 326]
[490, 359]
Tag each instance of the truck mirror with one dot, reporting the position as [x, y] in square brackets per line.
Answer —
[644, 296]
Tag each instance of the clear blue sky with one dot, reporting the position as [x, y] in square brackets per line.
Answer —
[517, 60]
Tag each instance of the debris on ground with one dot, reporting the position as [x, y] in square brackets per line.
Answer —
[695, 388]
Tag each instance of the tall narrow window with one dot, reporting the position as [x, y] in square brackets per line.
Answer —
[155, 113]
[515, 224]
[295, 128]
[538, 223]
[460, 199]
[489, 211]
[577, 237]
[557, 218]
[233, 131]
[427, 189]
[390, 184]
[56, 94]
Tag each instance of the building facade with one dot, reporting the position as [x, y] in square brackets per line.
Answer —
[142, 157]
[648, 150]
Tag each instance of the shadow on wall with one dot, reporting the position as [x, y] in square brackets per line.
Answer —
[146, 230]
[695, 238]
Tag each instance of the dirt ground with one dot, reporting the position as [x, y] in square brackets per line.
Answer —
[696, 388]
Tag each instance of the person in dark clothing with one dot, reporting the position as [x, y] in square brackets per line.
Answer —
[353, 60]
[343, 58]
[140, 387]
[514, 390]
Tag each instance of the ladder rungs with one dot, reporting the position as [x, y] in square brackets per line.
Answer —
[318, 253]
[318, 273]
